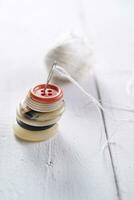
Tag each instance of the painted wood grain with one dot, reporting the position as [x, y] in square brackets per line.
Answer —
[113, 90]
[69, 166]
[111, 24]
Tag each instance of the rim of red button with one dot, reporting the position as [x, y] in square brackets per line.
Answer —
[49, 95]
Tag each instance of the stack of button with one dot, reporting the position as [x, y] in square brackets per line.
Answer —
[38, 114]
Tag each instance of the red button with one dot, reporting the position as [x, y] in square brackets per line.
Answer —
[49, 95]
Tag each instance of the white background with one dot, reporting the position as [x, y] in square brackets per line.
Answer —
[69, 166]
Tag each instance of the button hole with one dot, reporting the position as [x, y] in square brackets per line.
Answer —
[49, 90]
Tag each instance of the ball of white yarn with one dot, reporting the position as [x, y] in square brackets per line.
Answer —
[73, 54]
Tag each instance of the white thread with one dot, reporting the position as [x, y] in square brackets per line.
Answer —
[99, 107]
[73, 54]
[64, 72]
[118, 107]
[97, 104]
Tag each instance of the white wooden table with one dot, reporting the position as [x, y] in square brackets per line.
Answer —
[70, 166]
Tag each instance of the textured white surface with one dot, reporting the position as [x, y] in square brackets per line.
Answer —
[69, 166]
[122, 141]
